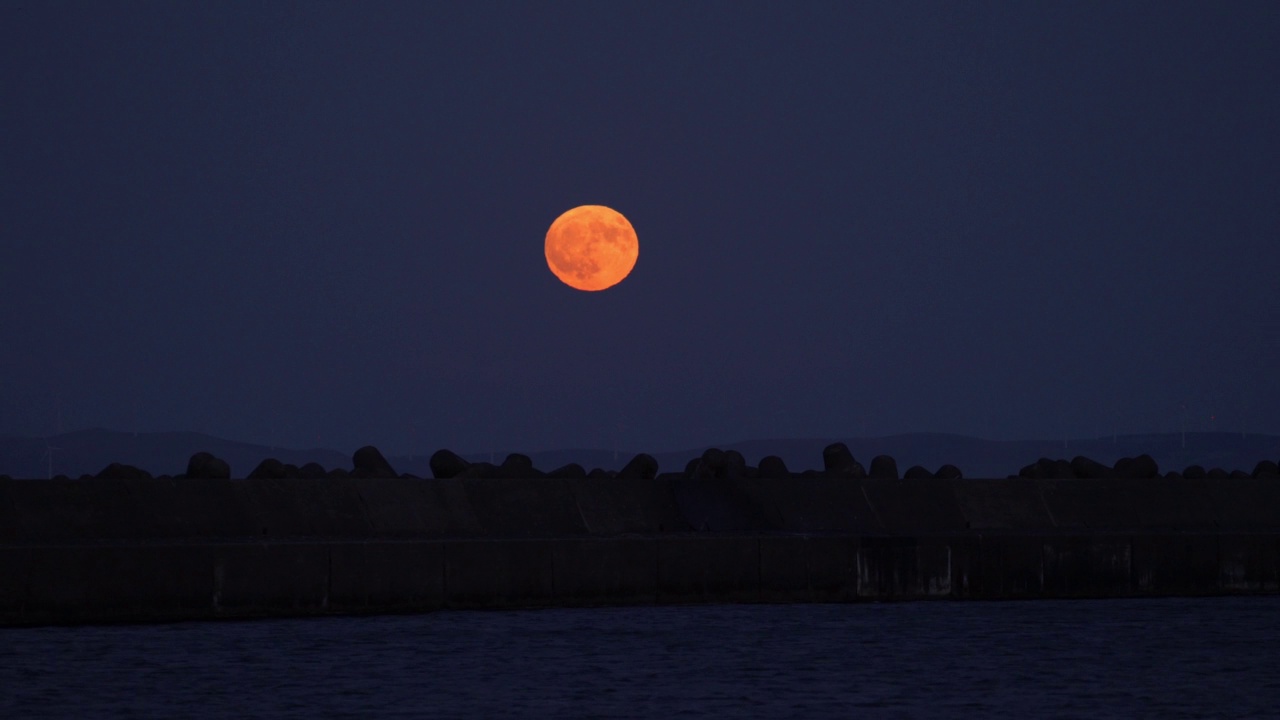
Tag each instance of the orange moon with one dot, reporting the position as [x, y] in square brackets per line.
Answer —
[591, 247]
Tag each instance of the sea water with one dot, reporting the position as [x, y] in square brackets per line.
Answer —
[1156, 658]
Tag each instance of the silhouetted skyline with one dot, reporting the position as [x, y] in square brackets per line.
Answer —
[308, 224]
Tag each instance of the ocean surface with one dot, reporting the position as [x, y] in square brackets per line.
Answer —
[1166, 658]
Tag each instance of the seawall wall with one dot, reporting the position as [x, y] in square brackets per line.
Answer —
[100, 550]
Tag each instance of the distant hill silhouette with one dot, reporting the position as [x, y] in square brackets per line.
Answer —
[999, 458]
[89, 451]
[974, 456]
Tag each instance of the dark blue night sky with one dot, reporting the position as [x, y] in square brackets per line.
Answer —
[313, 223]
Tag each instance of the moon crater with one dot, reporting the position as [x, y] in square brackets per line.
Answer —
[591, 247]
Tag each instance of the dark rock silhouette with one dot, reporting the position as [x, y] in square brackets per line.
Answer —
[641, 467]
[1089, 469]
[572, 471]
[447, 464]
[884, 467]
[1147, 466]
[337, 474]
[1266, 469]
[409, 476]
[480, 470]
[520, 466]
[120, 471]
[837, 461]
[311, 471]
[1034, 471]
[735, 466]
[204, 466]
[1139, 468]
[712, 464]
[949, 472]
[368, 462]
[916, 472]
[1122, 467]
[772, 467]
[269, 469]
[1061, 470]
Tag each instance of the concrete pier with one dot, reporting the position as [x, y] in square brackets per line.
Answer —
[156, 550]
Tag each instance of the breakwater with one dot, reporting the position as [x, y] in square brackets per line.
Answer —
[159, 549]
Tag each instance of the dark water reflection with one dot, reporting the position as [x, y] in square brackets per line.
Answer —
[1214, 657]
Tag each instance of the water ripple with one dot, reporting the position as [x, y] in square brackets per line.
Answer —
[1169, 658]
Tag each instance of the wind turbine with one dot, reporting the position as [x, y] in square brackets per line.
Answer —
[1183, 406]
[617, 440]
[48, 452]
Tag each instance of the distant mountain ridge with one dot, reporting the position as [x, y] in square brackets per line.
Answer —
[86, 452]
[164, 453]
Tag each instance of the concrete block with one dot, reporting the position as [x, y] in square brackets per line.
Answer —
[935, 560]
[296, 508]
[605, 571]
[886, 567]
[784, 569]
[191, 509]
[812, 505]
[903, 568]
[8, 520]
[705, 568]
[54, 511]
[1088, 566]
[278, 578]
[451, 515]
[1246, 504]
[1090, 504]
[1172, 504]
[15, 563]
[536, 507]
[1012, 504]
[1249, 563]
[394, 507]
[398, 508]
[718, 505]
[1008, 567]
[1175, 563]
[386, 575]
[499, 573]
[915, 506]
[832, 562]
[965, 560]
[101, 583]
[616, 507]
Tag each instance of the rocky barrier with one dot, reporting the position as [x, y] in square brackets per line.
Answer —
[714, 463]
[157, 549]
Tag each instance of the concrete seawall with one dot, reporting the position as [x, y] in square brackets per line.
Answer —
[100, 550]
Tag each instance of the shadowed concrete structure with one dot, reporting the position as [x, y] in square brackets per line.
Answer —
[145, 549]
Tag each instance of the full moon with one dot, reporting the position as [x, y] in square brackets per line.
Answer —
[591, 247]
